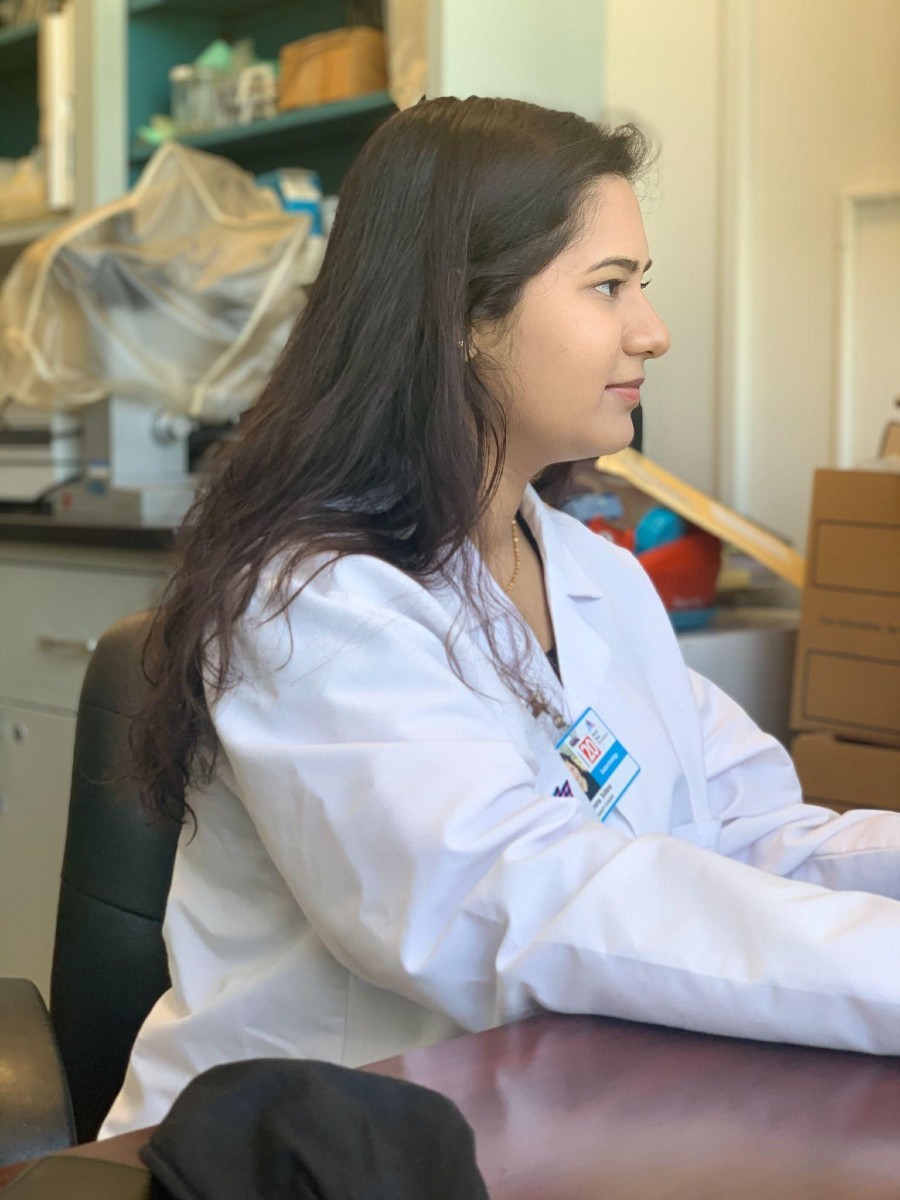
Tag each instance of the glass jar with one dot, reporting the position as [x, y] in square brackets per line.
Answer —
[182, 80]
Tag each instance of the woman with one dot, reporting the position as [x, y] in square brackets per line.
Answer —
[382, 645]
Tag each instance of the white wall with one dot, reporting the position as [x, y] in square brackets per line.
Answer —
[871, 323]
[827, 104]
[549, 52]
[661, 70]
[765, 112]
[656, 62]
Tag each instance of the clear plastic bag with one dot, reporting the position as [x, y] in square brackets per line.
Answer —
[182, 293]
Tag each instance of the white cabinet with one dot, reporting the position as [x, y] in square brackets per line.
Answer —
[55, 601]
[35, 769]
[749, 653]
[53, 614]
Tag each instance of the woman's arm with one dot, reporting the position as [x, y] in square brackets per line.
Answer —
[407, 826]
[754, 790]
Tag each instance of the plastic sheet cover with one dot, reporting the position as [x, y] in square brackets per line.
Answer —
[182, 293]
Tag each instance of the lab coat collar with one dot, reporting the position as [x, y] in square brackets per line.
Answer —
[572, 596]
[583, 654]
[559, 560]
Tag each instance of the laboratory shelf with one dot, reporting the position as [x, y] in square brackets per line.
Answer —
[224, 9]
[280, 139]
[296, 126]
[21, 232]
[18, 49]
[18, 90]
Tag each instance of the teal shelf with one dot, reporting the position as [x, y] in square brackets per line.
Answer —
[225, 10]
[162, 33]
[310, 125]
[18, 49]
[18, 90]
[300, 137]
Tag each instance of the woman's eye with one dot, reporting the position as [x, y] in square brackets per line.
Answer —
[612, 284]
[616, 284]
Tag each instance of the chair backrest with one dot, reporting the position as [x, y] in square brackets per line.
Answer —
[109, 962]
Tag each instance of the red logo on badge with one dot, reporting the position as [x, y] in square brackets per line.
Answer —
[588, 748]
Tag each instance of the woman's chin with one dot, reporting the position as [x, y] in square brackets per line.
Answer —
[608, 441]
[614, 440]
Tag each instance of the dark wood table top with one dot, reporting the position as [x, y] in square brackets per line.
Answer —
[587, 1108]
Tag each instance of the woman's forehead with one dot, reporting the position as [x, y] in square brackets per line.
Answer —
[611, 227]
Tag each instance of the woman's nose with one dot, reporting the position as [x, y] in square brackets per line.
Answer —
[648, 334]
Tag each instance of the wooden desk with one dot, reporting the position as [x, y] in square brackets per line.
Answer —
[585, 1108]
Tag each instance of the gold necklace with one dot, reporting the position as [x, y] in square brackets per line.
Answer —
[516, 558]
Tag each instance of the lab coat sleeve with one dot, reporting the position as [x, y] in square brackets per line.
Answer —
[753, 789]
[408, 827]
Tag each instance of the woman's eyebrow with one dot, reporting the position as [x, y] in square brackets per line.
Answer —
[627, 264]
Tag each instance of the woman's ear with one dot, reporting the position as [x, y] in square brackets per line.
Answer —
[480, 340]
[489, 343]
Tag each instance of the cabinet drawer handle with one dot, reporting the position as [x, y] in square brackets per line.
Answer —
[81, 645]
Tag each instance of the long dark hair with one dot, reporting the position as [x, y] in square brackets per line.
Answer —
[375, 434]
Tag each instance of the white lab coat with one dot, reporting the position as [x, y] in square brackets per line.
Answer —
[381, 862]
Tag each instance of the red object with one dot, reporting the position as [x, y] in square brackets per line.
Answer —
[621, 537]
[685, 571]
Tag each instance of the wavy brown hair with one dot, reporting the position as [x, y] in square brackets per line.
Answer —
[375, 434]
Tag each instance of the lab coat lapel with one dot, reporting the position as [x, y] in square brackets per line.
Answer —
[575, 600]
[576, 606]
[583, 655]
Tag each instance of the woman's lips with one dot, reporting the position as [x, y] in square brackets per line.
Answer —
[632, 394]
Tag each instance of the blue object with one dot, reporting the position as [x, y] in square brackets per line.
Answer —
[692, 618]
[595, 504]
[657, 527]
[299, 192]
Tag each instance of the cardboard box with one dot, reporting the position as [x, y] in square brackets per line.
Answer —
[845, 775]
[332, 66]
[847, 670]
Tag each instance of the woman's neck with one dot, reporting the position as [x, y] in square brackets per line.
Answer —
[494, 536]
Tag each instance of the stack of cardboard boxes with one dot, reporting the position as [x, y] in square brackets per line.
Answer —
[846, 692]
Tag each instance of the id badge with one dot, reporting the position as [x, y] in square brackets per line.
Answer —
[599, 763]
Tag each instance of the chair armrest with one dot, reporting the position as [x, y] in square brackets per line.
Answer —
[35, 1112]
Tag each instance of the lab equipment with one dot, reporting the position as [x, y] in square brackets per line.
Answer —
[38, 451]
[207, 93]
[257, 92]
[162, 309]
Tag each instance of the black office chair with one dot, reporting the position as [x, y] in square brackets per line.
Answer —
[60, 1072]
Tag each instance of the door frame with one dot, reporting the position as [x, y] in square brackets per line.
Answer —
[853, 202]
